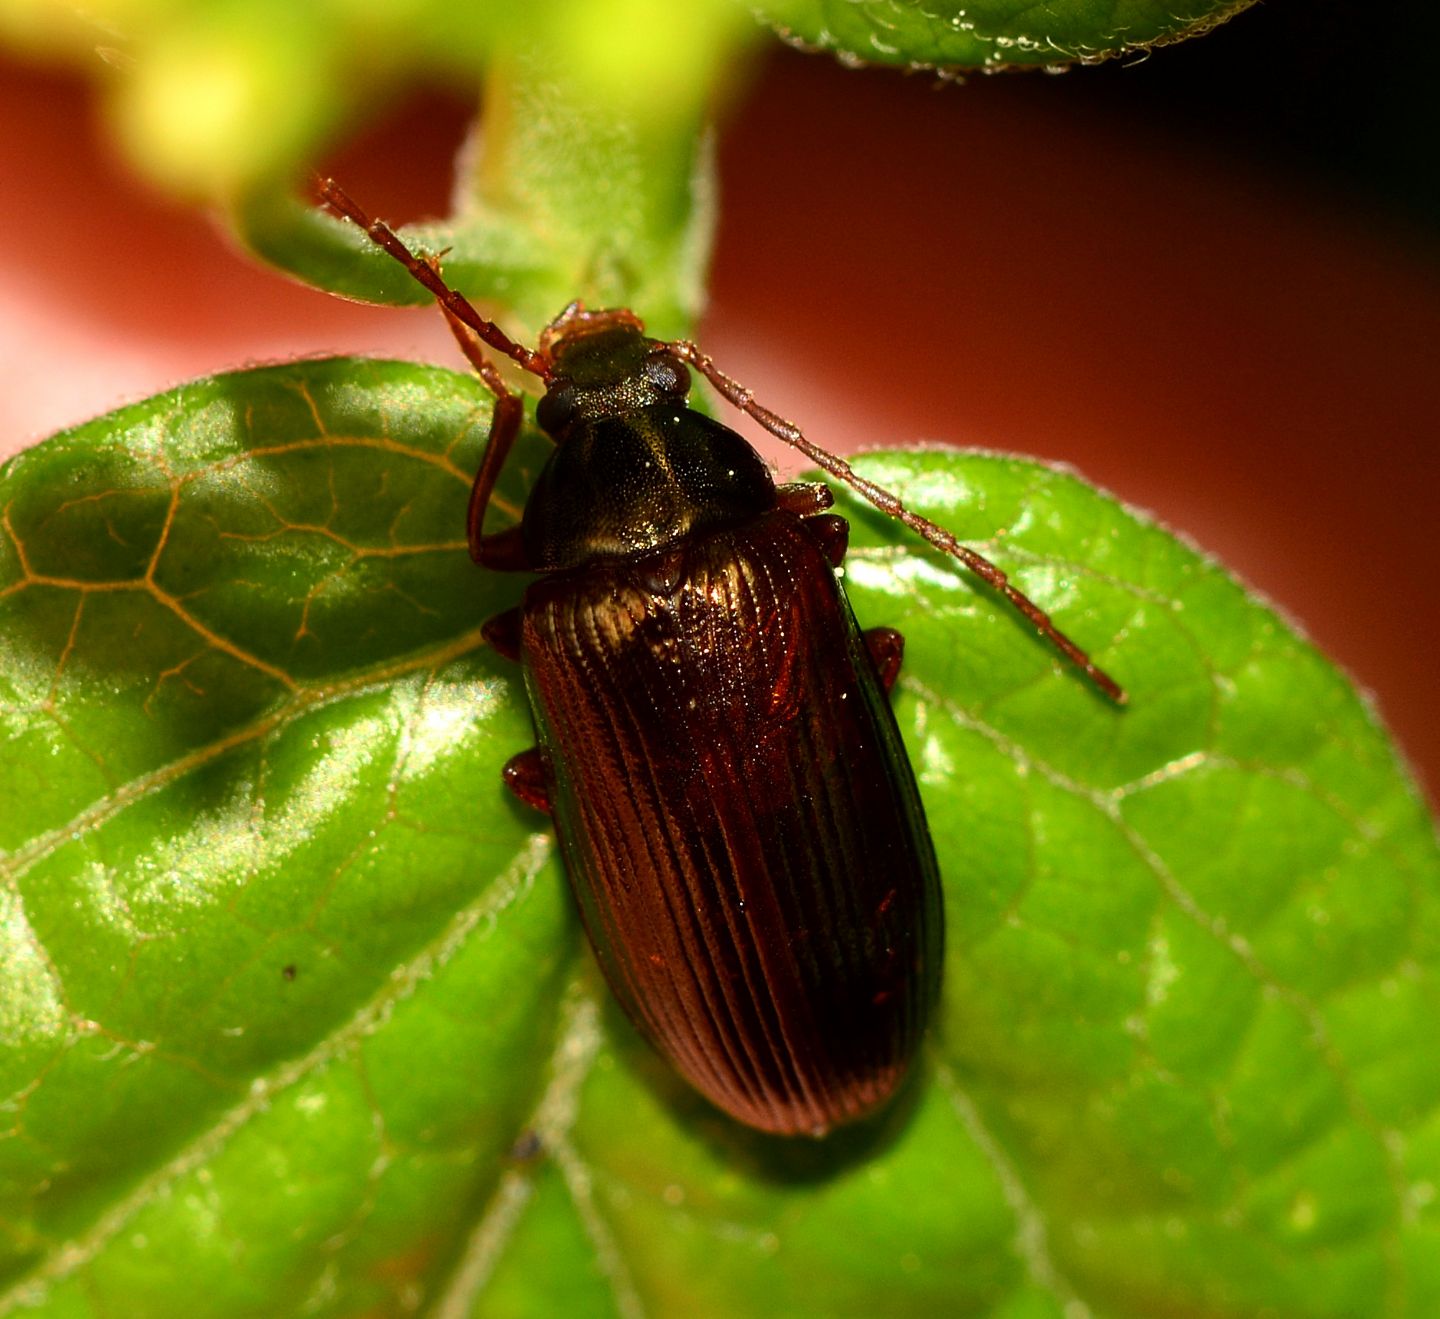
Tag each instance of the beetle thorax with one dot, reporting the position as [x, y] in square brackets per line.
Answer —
[637, 481]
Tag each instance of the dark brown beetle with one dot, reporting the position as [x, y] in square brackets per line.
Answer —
[739, 822]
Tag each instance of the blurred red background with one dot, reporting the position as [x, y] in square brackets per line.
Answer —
[1248, 352]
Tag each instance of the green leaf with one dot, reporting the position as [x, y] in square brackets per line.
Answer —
[294, 1015]
[259, 873]
[991, 34]
[1194, 945]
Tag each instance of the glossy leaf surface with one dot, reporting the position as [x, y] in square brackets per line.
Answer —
[294, 1015]
[991, 34]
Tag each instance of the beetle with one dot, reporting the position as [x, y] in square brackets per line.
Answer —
[737, 817]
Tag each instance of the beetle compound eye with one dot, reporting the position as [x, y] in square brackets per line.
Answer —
[667, 373]
[557, 409]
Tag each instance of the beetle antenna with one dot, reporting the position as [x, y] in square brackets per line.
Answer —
[455, 305]
[890, 504]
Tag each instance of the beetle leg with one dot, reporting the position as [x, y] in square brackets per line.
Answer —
[809, 500]
[501, 551]
[833, 533]
[804, 498]
[887, 649]
[525, 776]
[471, 331]
[504, 551]
[503, 634]
[504, 427]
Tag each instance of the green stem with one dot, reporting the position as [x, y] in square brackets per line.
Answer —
[590, 177]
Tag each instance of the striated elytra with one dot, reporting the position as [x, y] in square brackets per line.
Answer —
[715, 744]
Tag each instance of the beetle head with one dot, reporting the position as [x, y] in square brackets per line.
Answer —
[602, 365]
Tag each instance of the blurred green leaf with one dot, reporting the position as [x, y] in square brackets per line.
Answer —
[293, 1013]
[568, 192]
[230, 102]
[990, 34]
[214, 99]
